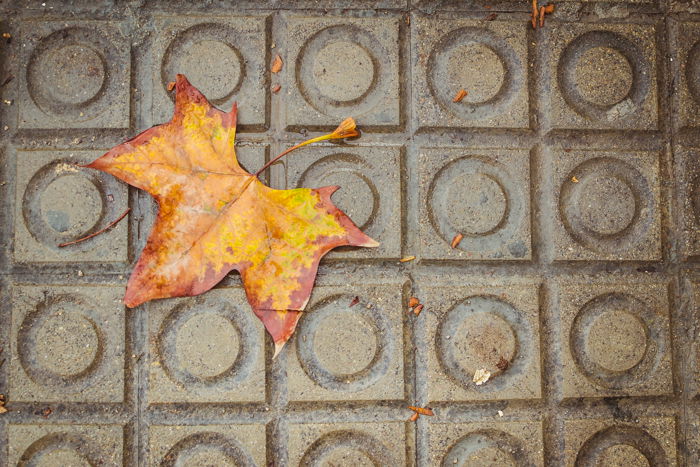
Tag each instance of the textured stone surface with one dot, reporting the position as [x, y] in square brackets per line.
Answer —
[570, 168]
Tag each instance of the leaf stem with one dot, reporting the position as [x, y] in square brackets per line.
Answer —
[109, 226]
[287, 151]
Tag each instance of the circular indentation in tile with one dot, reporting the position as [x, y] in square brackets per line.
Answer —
[476, 333]
[487, 447]
[617, 341]
[76, 73]
[610, 208]
[347, 448]
[623, 445]
[600, 55]
[603, 76]
[331, 71]
[480, 62]
[226, 355]
[478, 203]
[477, 197]
[60, 448]
[67, 343]
[342, 70]
[208, 55]
[207, 345]
[607, 204]
[69, 73]
[477, 68]
[61, 342]
[330, 351]
[207, 448]
[63, 203]
[358, 196]
[692, 71]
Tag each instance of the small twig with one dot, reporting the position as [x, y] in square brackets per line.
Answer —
[111, 224]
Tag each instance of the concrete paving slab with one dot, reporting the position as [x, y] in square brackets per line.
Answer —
[570, 168]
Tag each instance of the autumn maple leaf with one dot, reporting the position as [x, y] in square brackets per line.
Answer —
[215, 217]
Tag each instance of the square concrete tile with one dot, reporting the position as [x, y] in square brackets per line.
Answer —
[488, 60]
[206, 445]
[615, 338]
[347, 444]
[370, 193]
[342, 352]
[647, 441]
[338, 67]
[78, 75]
[65, 444]
[486, 443]
[688, 195]
[608, 205]
[482, 194]
[208, 348]
[474, 326]
[67, 344]
[225, 57]
[57, 202]
[582, 56]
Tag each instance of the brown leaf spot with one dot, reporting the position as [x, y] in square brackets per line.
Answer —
[422, 410]
[461, 94]
[276, 64]
[418, 309]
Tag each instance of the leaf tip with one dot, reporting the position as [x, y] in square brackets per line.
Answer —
[278, 348]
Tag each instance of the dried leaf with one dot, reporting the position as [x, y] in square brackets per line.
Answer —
[3, 409]
[276, 88]
[171, 86]
[481, 376]
[276, 64]
[535, 12]
[413, 417]
[215, 217]
[355, 301]
[455, 241]
[407, 259]
[461, 94]
[413, 301]
[502, 364]
[422, 410]
[418, 309]
[541, 16]
[549, 8]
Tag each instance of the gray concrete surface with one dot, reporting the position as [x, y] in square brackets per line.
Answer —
[572, 168]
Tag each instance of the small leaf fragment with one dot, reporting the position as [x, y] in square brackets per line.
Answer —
[574, 179]
[541, 16]
[481, 376]
[276, 64]
[406, 259]
[502, 364]
[455, 241]
[171, 86]
[413, 417]
[418, 309]
[549, 8]
[461, 94]
[355, 301]
[413, 301]
[422, 410]
[491, 17]
[276, 88]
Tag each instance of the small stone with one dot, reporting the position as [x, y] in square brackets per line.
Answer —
[80, 273]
